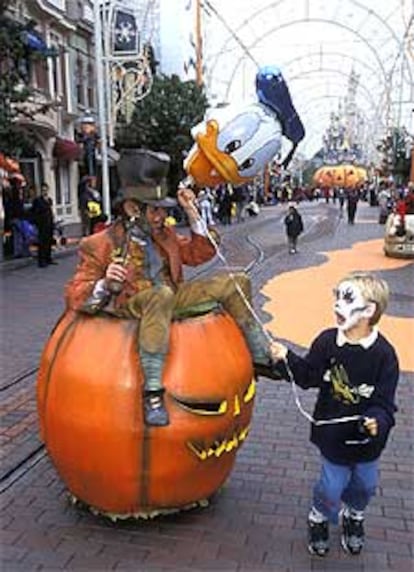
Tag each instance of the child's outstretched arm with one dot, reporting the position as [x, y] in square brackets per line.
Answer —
[279, 351]
[306, 371]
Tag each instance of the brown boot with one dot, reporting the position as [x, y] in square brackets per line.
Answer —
[271, 370]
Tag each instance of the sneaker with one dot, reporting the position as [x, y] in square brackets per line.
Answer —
[352, 537]
[318, 537]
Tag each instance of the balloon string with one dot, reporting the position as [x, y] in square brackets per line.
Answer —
[223, 259]
[317, 422]
[291, 378]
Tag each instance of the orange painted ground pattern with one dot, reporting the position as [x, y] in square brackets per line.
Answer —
[301, 301]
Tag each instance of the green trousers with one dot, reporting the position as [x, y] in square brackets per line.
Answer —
[155, 307]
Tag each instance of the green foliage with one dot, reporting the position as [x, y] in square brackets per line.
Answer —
[395, 148]
[163, 120]
[15, 57]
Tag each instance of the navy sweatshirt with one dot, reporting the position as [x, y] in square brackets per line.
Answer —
[353, 380]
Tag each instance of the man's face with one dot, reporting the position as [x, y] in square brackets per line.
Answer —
[349, 306]
[156, 217]
[131, 208]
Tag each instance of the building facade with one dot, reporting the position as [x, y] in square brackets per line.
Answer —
[63, 82]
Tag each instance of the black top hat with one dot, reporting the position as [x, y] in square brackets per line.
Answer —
[143, 176]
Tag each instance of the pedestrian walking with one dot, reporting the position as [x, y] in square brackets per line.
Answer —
[356, 370]
[240, 196]
[341, 197]
[225, 205]
[352, 198]
[205, 201]
[294, 227]
[89, 204]
[17, 216]
[42, 216]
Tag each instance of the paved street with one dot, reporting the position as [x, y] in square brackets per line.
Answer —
[257, 522]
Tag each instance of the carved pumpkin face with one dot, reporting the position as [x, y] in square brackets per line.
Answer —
[348, 176]
[90, 407]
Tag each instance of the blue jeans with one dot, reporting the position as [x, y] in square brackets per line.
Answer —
[20, 242]
[354, 485]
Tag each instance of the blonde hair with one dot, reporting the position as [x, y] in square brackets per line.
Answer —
[373, 289]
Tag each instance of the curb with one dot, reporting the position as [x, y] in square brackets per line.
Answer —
[18, 263]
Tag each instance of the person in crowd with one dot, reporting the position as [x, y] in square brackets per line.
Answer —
[205, 200]
[134, 269]
[240, 198]
[341, 194]
[409, 199]
[356, 370]
[385, 203]
[42, 216]
[82, 202]
[89, 204]
[7, 209]
[225, 205]
[294, 227]
[17, 216]
[352, 198]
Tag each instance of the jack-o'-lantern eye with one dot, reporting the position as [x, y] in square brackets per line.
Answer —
[250, 392]
[203, 407]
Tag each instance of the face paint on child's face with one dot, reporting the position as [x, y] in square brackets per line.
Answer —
[349, 305]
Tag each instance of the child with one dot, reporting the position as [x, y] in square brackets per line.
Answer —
[294, 227]
[356, 370]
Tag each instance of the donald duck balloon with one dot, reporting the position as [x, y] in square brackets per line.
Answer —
[233, 144]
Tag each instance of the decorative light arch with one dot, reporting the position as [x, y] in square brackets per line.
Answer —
[273, 5]
[382, 75]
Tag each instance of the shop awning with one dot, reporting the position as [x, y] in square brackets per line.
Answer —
[67, 150]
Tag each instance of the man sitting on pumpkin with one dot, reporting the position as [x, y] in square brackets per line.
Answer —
[133, 269]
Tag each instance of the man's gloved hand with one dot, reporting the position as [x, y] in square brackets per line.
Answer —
[115, 275]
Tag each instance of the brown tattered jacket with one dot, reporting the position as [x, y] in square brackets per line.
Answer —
[97, 251]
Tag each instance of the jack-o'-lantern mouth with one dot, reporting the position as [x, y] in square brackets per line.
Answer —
[217, 407]
[220, 446]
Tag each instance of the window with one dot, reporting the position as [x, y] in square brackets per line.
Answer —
[79, 81]
[91, 83]
[56, 68]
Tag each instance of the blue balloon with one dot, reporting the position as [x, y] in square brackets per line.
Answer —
[272, 91]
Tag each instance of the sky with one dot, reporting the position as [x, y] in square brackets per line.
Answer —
[318, 44]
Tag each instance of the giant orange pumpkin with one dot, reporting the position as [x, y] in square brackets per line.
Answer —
[348, 176]
[90, 409]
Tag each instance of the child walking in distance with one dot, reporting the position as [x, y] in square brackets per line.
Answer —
[294, 227]
[356, 371]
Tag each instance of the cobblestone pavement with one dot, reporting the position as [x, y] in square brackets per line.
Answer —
[257, 521]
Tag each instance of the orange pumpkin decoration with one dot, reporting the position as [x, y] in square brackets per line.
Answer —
[348, 176]
[90, 409]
